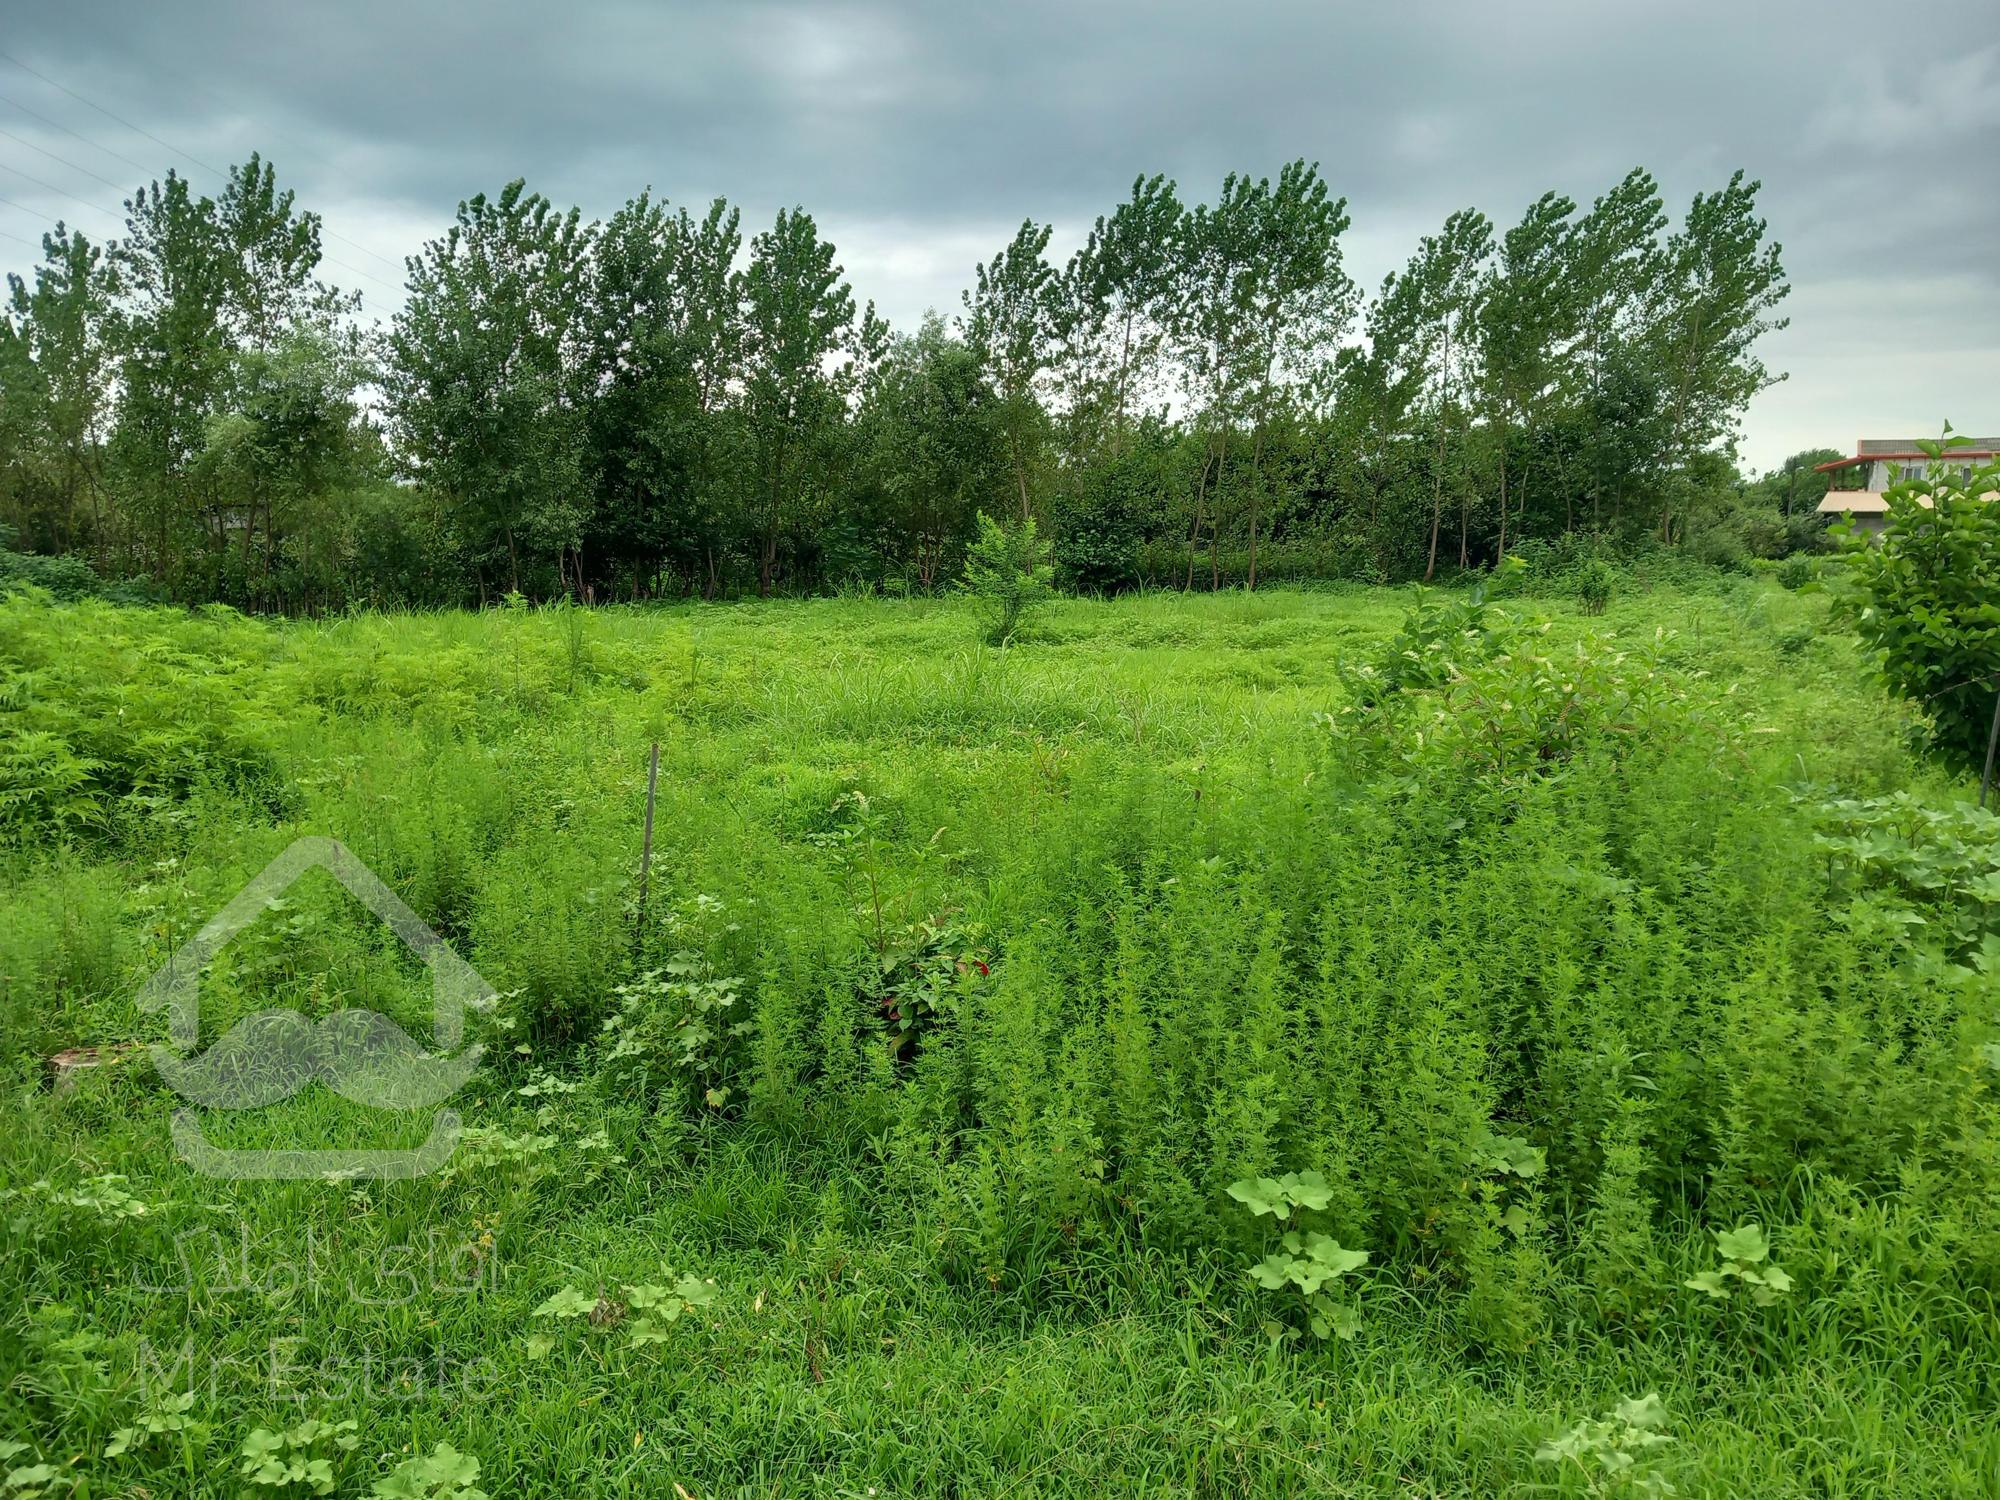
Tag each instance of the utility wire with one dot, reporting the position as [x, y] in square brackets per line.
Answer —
[64, 193]
[58, 125]
[63, 161]
[185, 155]
[137, 129]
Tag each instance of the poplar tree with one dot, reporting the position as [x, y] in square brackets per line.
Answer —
[799, 322]
[1010, 313]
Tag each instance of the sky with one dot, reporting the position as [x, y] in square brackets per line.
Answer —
[920, 135]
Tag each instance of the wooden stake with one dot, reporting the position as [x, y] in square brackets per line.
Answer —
[646, 848]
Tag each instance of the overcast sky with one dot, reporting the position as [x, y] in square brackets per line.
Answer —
[920, 135]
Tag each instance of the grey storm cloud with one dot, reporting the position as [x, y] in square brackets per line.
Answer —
[920, 134]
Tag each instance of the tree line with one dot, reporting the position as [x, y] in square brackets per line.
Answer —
[657, 404]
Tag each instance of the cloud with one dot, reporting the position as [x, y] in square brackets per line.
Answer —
[1883, 111]
[919, 134]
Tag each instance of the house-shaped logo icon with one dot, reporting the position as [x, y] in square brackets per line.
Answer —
[274, 1054]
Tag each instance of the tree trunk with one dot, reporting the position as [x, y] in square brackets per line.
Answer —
[1215, 521]
[1194, 531]
[1256, 498]
[1437, 469]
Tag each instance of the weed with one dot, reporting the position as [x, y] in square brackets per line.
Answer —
[1746, 1265]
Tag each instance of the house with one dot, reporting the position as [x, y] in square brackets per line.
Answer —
[1855, 485]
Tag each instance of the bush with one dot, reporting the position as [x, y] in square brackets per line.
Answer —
[1798, 570]
[66, 578]
[1720, 547]
[1439, 638]
[1097, 533]
[1007, 571]
[1927, 598]
[1593, 586]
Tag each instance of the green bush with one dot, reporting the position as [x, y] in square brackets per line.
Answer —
[1926, 597]
[1440, 636]
[1593, 586]
[1097, 530]
[1798, 570]
[1008, 573]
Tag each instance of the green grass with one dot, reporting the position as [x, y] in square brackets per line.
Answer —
[1232, 931]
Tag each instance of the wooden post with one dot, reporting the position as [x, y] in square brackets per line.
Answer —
[646, 848]
[1992, 744]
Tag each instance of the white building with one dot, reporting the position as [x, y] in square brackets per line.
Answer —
[1856, 485]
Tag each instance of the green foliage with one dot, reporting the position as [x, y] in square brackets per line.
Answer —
[1008, 573]
[1936, 870]
[653, 1308]
[103, 1199]
[1539, 964]
[108, 710]
[1441, 635]
[1925, 596]
[646, 407]
[922, 976]
[167, 1414]
[1306, 1265]
[299, 1458]
[1746, 1265]
[442, 1474]
[1799, 571]
[1618, 1453]
[1594, 585]
[657, 1306]
[676, 1030]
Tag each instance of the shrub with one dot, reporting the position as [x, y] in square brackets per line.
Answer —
[1593, 586]
[1439, 636]
[1097, 533]
[1798, 570]
[1721, 548]
[1927, 598]
[1007, 571]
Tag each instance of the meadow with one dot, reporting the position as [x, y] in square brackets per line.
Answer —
[1342, 1042]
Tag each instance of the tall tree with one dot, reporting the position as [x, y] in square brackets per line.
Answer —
[1616, 267]
[1111, 321]
[1430, 308]
[663, 332]
[205, 280]
[1298, 305]
[1009, 317]
[800, 349]
[284, 449]
[57, 393]
[484, 380]
[1527, 319]
[1719, 286]
[935, 446]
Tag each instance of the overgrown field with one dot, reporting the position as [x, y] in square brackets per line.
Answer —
[1603, 1006]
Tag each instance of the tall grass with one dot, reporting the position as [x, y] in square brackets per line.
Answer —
[1173, 913]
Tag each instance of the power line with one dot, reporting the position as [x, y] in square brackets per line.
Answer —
[121, 218]
[31, 212]
[63, 193]
[63, 161]
[17, 239]
[137, 129]
[58, 125]
[185, 155]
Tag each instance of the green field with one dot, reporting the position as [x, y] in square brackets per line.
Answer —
[978, 978]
